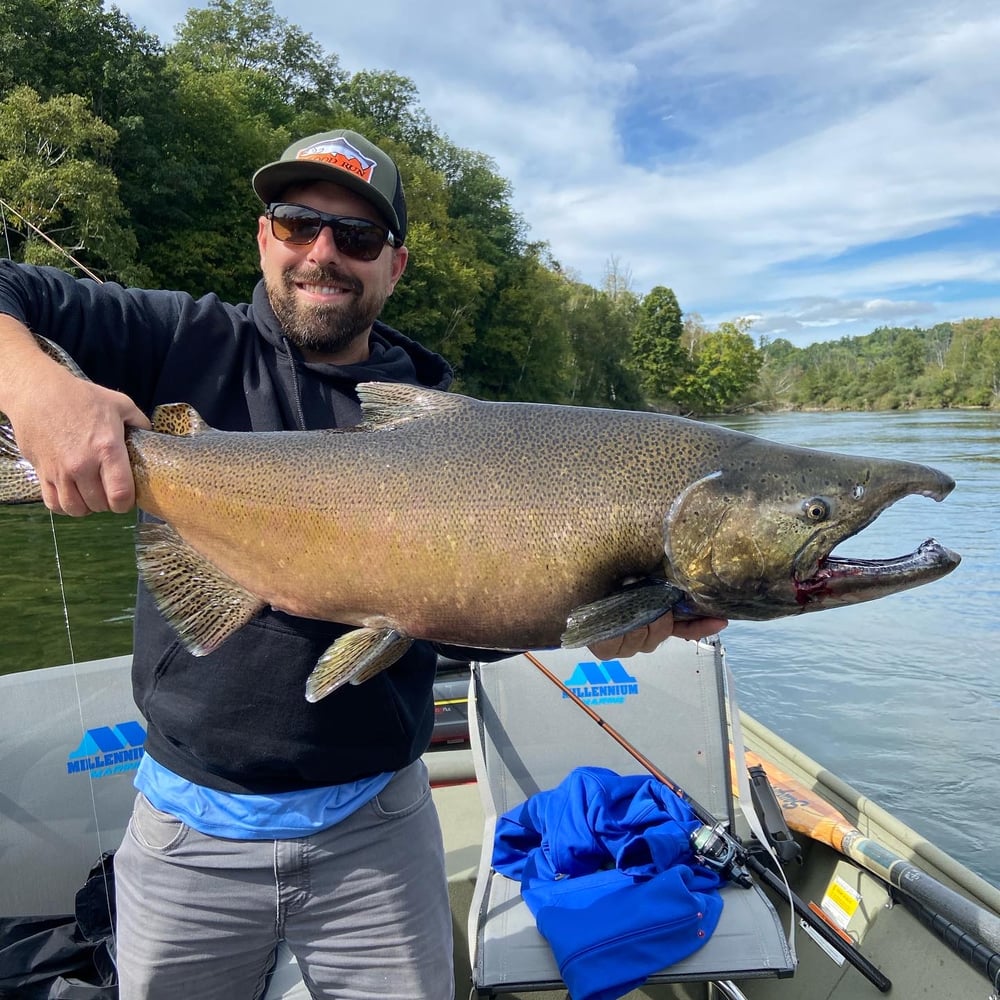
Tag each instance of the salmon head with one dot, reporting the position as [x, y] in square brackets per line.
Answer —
[753, 540]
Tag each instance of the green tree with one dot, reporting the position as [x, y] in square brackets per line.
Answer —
[522, 343]
[390, 102]
[990, 360]
[210, 245]
[61, 47]
[726, 368]
[658, 356]
[284, 68]
[479, 198]
[908, 360]
[442, 292]
[937, 388]
[72, 46]
[776, 377]
[600, 334]
[974, 357]
[53, 172]
[694, 332]
[780, 351]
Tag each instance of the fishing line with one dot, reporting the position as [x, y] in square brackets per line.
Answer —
[6, 207]
[65, 605]
[3, 218]
[83, 724]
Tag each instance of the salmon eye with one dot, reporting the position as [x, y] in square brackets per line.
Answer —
[815, 510]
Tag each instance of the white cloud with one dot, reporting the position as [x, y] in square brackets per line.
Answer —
[726, 148]
[816, 315]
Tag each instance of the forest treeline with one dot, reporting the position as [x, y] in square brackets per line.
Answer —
[135, 155]
[951, 364]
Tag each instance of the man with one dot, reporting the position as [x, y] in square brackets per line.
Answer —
[260, 817]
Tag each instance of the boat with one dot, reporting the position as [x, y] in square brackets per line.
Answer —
[71, 738]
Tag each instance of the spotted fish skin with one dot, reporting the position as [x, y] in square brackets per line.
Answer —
[430, 522]
[499, 525]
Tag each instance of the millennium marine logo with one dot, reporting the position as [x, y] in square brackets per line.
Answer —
[604, 683]
[108, 750]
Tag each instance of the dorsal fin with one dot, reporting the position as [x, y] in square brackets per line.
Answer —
[389, 404]
[178, 420]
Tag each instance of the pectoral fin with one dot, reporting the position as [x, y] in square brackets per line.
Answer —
[355, 658]
[620, 612]
[203, 604]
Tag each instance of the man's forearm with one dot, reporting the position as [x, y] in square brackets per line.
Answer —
[22, 363]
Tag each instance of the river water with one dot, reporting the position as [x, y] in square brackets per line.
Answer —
[899, 697]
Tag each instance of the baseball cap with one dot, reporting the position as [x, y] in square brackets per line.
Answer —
[341, 157]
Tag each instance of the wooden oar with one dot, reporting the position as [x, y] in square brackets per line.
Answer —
[807, 813]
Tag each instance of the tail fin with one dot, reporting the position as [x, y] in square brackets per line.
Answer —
[18, 479]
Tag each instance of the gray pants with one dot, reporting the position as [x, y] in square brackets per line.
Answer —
[363, 906]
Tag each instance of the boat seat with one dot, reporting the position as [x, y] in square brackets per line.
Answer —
[527, 736]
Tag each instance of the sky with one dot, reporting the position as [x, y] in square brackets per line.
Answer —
[823, 167]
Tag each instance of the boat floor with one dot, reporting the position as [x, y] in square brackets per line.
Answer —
[894, 940]
[48, 838]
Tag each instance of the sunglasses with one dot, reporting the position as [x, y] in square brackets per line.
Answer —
[357, 238]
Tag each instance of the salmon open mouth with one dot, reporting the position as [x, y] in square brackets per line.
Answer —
[850, 580]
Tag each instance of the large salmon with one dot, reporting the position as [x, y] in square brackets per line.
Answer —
[496, 525]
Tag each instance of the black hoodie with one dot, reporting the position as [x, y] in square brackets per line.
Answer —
[237, 719]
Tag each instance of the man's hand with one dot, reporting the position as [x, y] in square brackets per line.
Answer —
[647, 638]
[71, 430]
[79, 450]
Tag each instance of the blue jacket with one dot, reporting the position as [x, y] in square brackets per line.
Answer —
[606, 867]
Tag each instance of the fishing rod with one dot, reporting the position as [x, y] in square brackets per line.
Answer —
[977, 955]
[8, 207]
[720, 850]
[711, 842]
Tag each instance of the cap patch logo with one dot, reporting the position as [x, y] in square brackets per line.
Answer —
[341, 154]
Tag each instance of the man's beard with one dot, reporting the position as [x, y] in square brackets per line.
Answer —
[326, 329]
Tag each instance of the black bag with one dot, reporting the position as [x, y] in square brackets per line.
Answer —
[68, 957]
